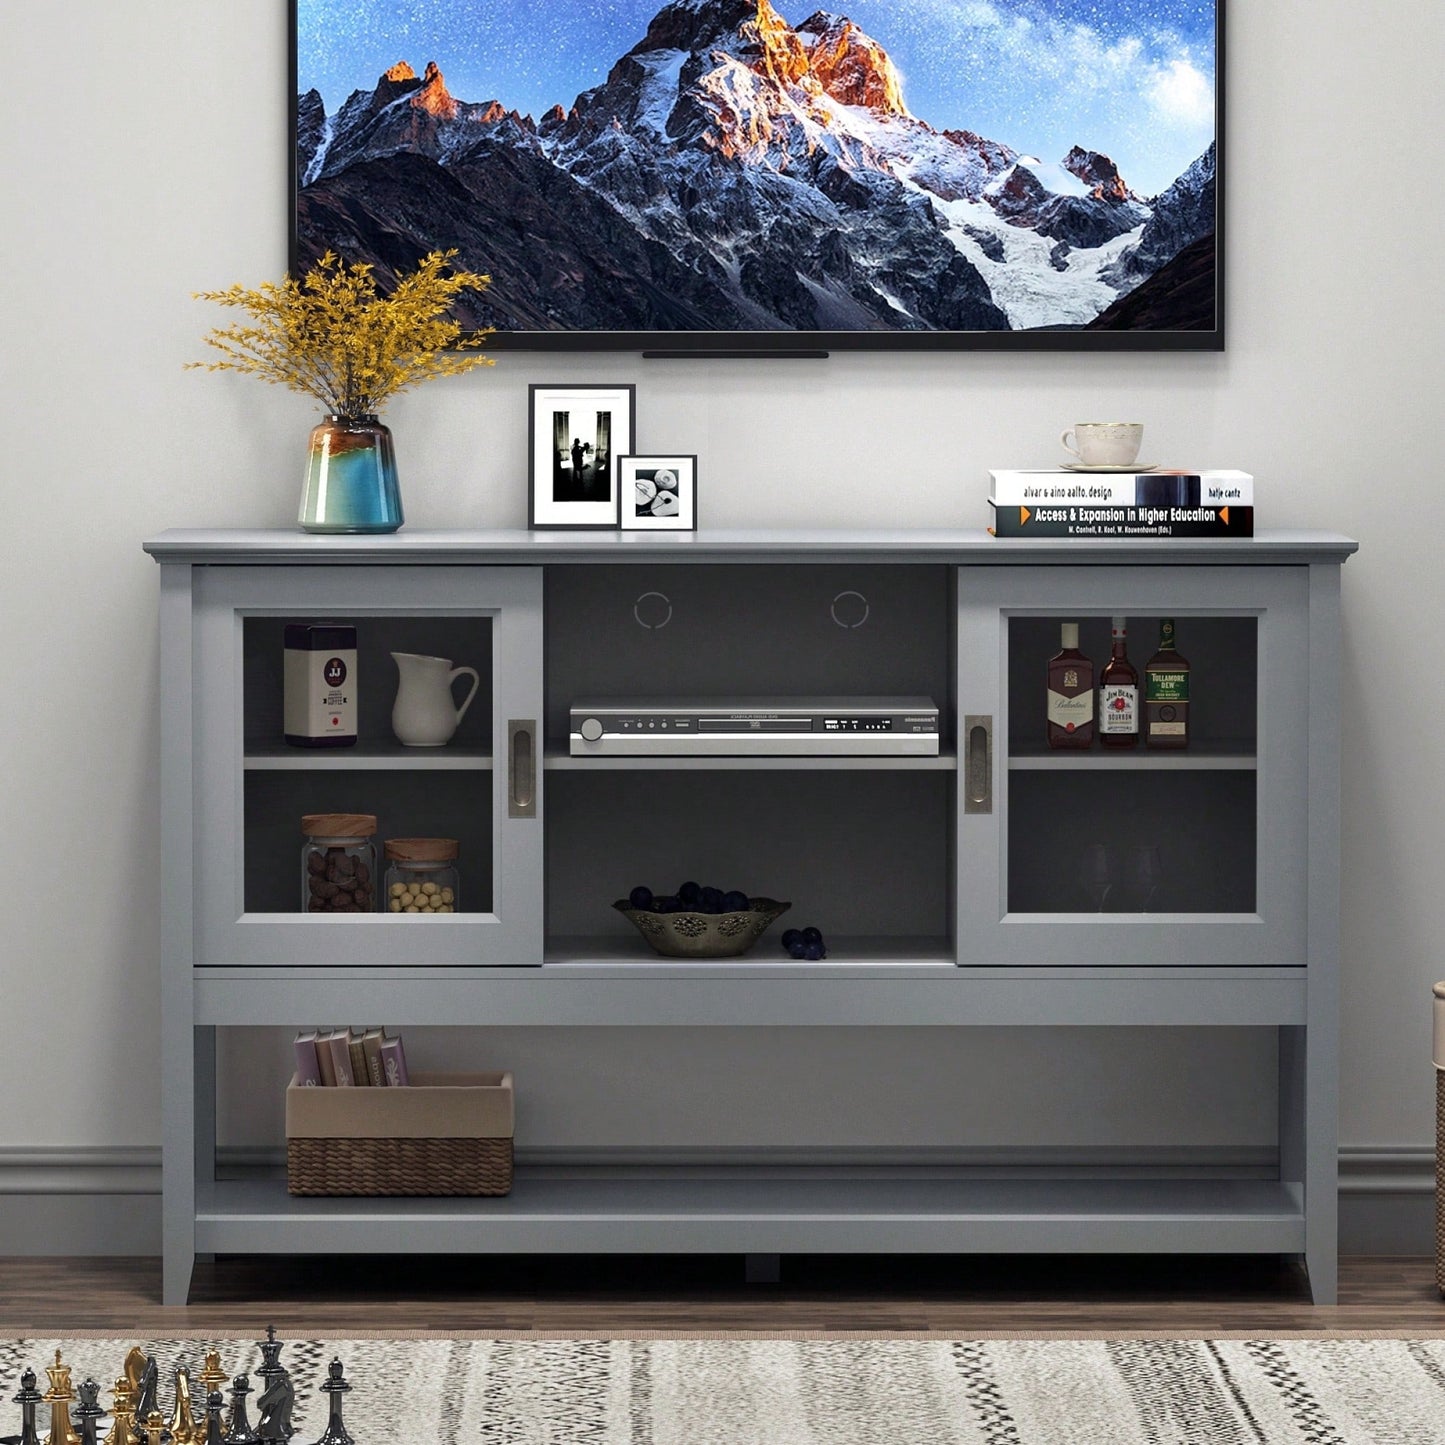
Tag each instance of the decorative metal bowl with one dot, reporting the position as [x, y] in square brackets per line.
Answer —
[703, 935]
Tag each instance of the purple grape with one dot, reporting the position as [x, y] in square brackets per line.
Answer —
[812, 935]
[640, 898]
[666, 905]
[690, 893]
[735, 902]
[791, 936]
[798, 949]
[712, 900]
[814, 951]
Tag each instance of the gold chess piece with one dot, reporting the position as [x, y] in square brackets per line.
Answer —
[122, 1409]
[183, 1426]
[155, 1427]
[58, 1397]
[136, 1361]
[211, 1375]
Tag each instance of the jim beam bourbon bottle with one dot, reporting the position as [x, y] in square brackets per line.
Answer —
[1119, 695]
[1071, 694]
[1166, 694]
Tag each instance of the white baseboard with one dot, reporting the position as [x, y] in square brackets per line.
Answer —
[106, 1201]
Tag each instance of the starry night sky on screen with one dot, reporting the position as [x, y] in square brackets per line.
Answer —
[1131, 78]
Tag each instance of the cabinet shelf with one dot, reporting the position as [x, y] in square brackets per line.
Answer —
[621, 1211]
[558, 759]
[1227, 756]
[368, 756]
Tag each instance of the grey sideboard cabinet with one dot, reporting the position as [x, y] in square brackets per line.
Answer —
[997, 884]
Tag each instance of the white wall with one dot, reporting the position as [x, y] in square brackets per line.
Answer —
[144, 158]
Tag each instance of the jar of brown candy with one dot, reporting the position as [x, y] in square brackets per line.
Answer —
[338, 863]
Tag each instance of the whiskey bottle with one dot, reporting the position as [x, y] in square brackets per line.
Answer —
[1071, 694]
[1119, 695]
[1166, 694]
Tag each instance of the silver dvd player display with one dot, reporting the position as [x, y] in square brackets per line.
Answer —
[757, 726]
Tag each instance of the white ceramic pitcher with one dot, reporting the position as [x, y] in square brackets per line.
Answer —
[425, 713]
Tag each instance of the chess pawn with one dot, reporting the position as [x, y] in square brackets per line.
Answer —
[28, 1398]
[212, 1376]
[154, 1429]
[58, 1397]
[215, 1435]
[336, 1387]
[122, 1410]
[238, 1427]
[183, 1422]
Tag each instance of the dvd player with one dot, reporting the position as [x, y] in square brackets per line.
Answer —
[756, 726]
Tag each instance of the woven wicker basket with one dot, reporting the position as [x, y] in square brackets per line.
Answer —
[399, 1166]
[444, 1134]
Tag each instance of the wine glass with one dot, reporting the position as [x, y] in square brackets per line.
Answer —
[1098, 874]
[1146, 868]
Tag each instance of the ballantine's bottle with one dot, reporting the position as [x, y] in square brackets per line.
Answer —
[1166, 694]
[1071, 694]
[1119, 695]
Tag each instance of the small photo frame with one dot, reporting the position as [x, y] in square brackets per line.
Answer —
[658, 494]
[577, 433]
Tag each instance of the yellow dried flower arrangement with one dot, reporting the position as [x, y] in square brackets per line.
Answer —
[334, 336]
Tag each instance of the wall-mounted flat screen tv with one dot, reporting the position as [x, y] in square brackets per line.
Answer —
[764, 175]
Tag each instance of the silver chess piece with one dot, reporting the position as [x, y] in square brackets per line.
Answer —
[336, 1388]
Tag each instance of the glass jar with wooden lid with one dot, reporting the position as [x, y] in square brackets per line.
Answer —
[338, 863]
[421, 875]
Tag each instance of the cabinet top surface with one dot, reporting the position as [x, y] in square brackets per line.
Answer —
[962, 547]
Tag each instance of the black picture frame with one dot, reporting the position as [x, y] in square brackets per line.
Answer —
[630, 515]
[547, 472]
[811, 343]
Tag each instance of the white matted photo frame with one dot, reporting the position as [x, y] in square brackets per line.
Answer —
[658, 493]
[576, 434]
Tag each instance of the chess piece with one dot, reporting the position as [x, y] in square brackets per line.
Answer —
[28, 1398]
[278, 1395]
[122, 1410]
[211, 1375]
[183, 1427]
[336, 1387]
[155, 1429]
[58, 1397]
[238, 1427]
[148, 1399]
[215, 1435]
[136, 1361]
[276, 1403]
[90, 1409]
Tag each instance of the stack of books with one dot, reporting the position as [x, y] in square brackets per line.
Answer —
[1121, 505]
[347, 1058]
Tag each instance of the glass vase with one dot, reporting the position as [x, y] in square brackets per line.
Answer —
[351, 483]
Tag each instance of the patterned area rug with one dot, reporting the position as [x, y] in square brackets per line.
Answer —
[745, 1391]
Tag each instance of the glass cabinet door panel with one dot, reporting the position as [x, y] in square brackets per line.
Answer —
[464, 641]
[1142, 855]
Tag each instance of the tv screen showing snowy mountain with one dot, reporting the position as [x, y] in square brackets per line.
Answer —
[758, 173]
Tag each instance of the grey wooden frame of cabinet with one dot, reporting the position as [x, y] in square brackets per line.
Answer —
[1284, 977]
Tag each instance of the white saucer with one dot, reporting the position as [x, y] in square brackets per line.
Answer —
[1085, 467]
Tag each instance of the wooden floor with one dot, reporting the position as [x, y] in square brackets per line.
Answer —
[952, 1296]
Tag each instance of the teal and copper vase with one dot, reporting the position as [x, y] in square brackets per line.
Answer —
[351, 483]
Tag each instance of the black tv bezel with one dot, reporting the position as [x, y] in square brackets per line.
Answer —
[763, 345]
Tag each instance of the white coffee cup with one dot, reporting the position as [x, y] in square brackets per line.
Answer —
[1105, 443]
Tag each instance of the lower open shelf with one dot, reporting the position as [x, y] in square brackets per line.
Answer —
[646, 1211]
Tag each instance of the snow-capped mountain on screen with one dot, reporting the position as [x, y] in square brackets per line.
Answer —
[737, 173]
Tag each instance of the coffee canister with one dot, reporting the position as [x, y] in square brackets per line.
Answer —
[320, 685]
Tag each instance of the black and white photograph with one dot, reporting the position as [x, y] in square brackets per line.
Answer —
[658, 494]
[577, 434]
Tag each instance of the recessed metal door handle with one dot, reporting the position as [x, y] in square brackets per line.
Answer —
[522, 768]
[978, 763]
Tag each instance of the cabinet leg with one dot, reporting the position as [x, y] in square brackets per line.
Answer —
[762, 1268]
